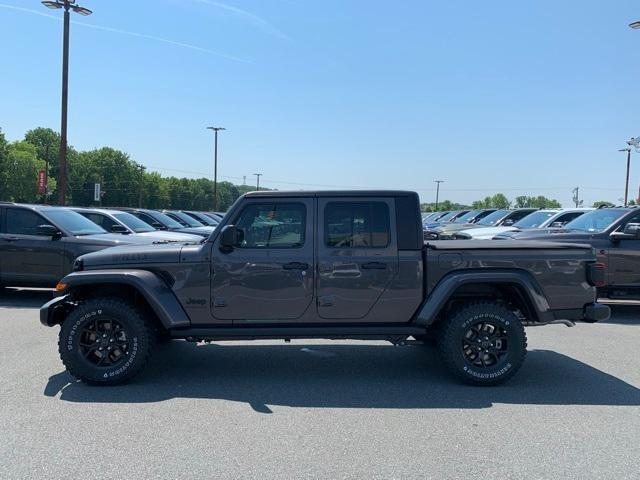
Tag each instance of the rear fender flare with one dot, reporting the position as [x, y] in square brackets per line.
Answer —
[448, 285]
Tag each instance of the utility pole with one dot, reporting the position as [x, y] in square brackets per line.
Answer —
[244, 180]
[438, 182]
[258, 175]
[626, 184]
[215, 166]
[62, 166]
[142, 170]
[576, 196]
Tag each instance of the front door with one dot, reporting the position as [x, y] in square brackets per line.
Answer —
[357, 256]
[27, 258]
[269, 274]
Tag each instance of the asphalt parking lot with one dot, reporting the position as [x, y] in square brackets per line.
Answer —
[320, 409]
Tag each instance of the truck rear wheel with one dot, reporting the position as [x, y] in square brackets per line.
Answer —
[105, 341]
[483, 343]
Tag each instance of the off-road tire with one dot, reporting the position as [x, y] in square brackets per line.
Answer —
[456, 350]
[139, 333]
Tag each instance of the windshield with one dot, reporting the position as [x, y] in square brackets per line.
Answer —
[467, 217]
[133, 222]
[204, 219]
[534, 220]
[187, 219]
[491, 219]
[166, 220]
[597, 220]
[447, 217]
[74, 222]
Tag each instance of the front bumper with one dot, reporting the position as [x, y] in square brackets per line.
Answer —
[52, 311]
[596, 312]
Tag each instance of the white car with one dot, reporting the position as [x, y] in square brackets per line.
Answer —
[546, 218]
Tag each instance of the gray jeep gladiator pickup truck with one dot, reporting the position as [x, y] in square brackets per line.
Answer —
[335, 265]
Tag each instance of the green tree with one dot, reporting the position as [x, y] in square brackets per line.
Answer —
[535, 202]
[19, 172]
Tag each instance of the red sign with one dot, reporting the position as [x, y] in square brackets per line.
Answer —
[42, 182]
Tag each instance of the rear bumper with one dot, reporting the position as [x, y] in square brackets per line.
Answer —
[596, 312]
[51, 312]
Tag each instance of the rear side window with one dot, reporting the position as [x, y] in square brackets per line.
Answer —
[272, 225]
[356, 224]
[23, 222]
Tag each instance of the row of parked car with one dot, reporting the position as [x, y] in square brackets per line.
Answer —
[488, 223]
[613, 232]
[40, 243]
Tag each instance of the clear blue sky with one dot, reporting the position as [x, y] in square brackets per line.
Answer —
[522, 97]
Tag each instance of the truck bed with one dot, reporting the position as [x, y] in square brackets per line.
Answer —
[500, 245]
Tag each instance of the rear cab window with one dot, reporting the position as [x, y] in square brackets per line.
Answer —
[356, 225]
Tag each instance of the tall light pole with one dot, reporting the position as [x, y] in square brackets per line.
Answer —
[635, 143]
[62, 165]
[258, 175]
[142, 168]
[215, 166]
[626, 184]
[438, 182]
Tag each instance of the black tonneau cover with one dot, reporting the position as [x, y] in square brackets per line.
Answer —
[500, 245]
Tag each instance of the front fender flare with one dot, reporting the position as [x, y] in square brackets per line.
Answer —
[447, 286]
[155, 291]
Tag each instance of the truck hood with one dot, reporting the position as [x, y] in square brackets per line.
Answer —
[167, 236]
[202, 231]
[132, 255]
[486, 232]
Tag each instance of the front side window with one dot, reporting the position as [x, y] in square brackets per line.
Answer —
[491, 219]
[23, 222]
[272, 225]
[356, 225]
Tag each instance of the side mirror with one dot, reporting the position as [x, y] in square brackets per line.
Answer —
[117, 228]
[48, 231]
[557, 225]
[230, 237]
[632, 229]
[508, 222]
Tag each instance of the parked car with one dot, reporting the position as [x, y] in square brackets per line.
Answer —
[322, 265]
[444, 219]
[39, 244]
[547, 218]
[160, 221]
[504, 217]
[614, 233]
[203, 218]
[125, 223]
[448, 230]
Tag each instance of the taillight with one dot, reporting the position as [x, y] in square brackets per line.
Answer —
[597, 274]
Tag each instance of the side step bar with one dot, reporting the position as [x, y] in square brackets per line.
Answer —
[382, 332]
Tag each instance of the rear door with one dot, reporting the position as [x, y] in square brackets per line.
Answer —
[357, 255]
[27, 258]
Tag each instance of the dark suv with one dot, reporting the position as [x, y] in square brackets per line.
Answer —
[38, 243]
[615, 235]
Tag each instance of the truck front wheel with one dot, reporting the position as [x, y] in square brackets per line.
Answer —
[483, 343]
[105, 341]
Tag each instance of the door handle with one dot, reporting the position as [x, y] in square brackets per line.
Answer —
[296, 266]
[374, 266]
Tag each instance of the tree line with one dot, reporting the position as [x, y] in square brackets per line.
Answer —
[499, 200]
[123, 182]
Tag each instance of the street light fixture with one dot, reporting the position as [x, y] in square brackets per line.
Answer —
[62, 165]
[215, 166]
[626, 185]
[258, 175]
[635, 25]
